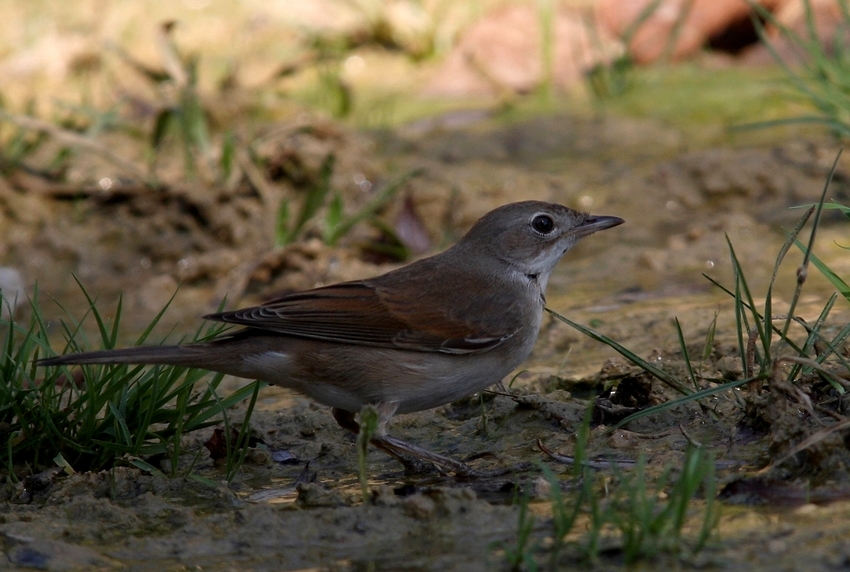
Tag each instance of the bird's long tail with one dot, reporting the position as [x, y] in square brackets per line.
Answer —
[235, 354]
[187, 356]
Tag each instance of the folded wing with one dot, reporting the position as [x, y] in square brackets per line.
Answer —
[364, 314]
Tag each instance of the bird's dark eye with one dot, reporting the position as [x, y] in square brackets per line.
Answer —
[543, 223]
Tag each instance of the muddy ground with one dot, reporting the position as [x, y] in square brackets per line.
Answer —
[304, 511]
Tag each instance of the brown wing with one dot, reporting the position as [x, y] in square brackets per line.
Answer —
[360, 313]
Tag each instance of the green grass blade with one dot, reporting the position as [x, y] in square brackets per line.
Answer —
[243, 440]
[121, 424]
[147, 467]
[813, 336]
[281, 225]
[667, 405]
[709, 339]
[156, 319]
[101, 324]
[227, 402]
[741, 320]
[661, 375]
[789, 240]
[807, 253]
[685, 354]
[776, 330]
[315, 197]
[840, 285]
[387, 193]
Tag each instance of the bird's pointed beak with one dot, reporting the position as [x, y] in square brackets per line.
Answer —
[594, 223]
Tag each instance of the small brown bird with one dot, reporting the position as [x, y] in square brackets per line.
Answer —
[424, 335]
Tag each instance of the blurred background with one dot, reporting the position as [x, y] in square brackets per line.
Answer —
[245, 149]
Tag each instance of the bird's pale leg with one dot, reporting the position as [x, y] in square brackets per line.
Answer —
[346, 420]
[403, 450]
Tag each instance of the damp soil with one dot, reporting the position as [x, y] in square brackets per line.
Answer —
[296, 503]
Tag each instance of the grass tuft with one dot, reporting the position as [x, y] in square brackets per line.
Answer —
[760, 341]
[817, 71]
[92, 418]
[625, 515]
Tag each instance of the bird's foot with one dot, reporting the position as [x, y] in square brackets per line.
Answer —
[417, 460]
[407, 452]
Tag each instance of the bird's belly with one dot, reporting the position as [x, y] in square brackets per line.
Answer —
[348, 377]
[435, 380]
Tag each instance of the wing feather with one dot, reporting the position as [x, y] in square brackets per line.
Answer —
[362, 313]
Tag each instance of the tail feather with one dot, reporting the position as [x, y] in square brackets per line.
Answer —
[147, 355]
[239, 354]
